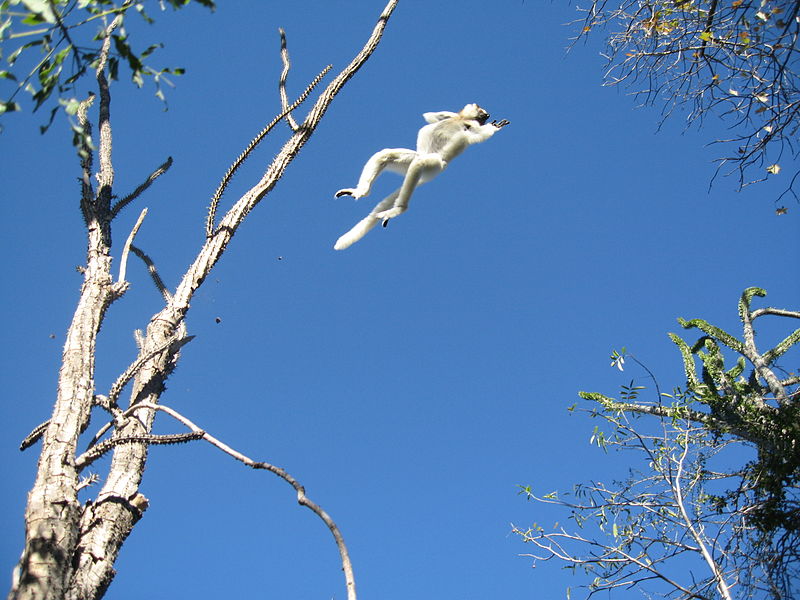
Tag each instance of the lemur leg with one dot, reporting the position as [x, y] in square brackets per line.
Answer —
[364, 225]
[392, 159]
[422, 168]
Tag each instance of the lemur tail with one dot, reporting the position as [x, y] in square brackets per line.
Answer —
[364, 225]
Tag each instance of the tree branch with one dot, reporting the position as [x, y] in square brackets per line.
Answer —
[113, 507]
[282, 82]
[212, 208]
[153, 272]
[198, 433]
[123, 261]
[115, 210]
[53, 512]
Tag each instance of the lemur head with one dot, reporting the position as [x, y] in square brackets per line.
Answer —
[473, 111]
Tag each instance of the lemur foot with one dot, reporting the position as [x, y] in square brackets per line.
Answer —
[386, 215]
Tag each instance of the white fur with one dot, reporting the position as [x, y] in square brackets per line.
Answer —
[447, 135]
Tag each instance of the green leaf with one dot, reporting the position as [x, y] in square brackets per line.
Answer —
[149, 50]
[70, 106]
[46, 126]
[8, 107]
[42, 9]
[144, 15]
[3, 27]
[12, 58]
[32, 20]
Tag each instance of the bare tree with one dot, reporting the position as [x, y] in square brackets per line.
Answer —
[70, 546]
[735, 58]
[637, 532]
[683, 523]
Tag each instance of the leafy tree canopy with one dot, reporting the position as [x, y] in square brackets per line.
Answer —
[63, 31]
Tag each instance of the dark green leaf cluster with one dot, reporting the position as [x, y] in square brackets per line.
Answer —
[762, 409]
[735, 391]
[65, 33]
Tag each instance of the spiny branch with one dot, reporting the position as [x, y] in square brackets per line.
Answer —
[106, 175]
[151, 269]
[110, 402]
[212, 208]
[85, 151]
[130, 372]
[88, 457]
[34, 435]
[236, 214]
[115, 210]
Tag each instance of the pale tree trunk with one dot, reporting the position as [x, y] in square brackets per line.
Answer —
[70, 547]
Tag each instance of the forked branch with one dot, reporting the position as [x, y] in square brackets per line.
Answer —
[226, 179]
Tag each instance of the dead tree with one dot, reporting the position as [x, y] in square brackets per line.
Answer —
[70, 547]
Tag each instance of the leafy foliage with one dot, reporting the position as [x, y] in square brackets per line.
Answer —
[63, 32]
[762, 409]
[737, 58]
[650, 529]
[742, 526]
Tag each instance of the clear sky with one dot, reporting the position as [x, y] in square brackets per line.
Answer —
[412, 381]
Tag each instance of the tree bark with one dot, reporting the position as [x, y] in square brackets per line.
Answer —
[70, 548]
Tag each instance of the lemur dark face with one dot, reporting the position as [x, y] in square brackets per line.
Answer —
[474, 113]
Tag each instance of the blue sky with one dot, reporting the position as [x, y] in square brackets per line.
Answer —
[412, 381]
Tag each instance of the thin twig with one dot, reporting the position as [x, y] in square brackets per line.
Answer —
[123, 261]
[282, 82]
[65, 33]
[675, 484]
[199, 433]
